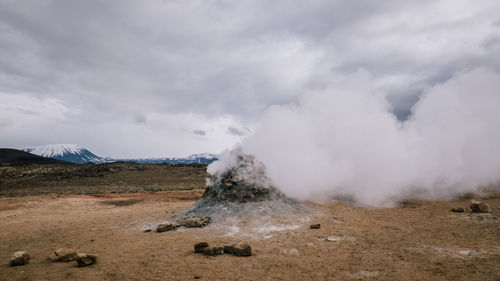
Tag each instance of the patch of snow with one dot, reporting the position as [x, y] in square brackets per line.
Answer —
[51, 150]
[201, 155]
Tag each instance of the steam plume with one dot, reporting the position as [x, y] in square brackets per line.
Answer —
[344, 141]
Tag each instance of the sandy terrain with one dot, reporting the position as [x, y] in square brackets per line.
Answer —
[418, 241]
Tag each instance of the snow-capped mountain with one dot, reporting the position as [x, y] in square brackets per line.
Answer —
[203, 158]
[208, 156]
[67, 152]
[77, 154]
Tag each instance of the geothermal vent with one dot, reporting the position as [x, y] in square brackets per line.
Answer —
[239, 184]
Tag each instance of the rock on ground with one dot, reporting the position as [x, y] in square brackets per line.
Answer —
[63, 255]
[242, 249]
[213, 251]
[200, 247]
[315, 226]
[195, 222]
[20, 258]
[85, 259]
[166, 227]
[229, 249]
[479, 206]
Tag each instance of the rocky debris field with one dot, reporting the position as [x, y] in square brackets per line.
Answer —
[419, 240]
[67, 223]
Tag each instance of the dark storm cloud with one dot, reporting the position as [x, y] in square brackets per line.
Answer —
[224, 59]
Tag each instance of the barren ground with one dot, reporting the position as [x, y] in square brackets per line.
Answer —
[420, 240]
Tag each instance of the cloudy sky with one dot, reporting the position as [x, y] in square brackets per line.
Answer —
[171, 78]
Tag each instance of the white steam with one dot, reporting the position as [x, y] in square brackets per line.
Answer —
[344, 141]
[245, 168]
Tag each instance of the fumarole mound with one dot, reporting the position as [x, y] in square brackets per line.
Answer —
[239, 184]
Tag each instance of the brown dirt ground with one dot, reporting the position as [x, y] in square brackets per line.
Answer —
[420, 240]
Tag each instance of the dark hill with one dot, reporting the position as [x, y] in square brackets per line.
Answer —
[9, 156]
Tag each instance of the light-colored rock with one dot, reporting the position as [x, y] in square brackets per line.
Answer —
[20, 258]
[63, 255]
[166, 227]
[195, 222]
[85, 259]
[479, 206]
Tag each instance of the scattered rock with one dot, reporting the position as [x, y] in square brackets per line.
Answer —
[20, 258]
[85, 259]
[242, 249]
[229, 249]
[200, 247]
[479, 206]
[63, 255]
[457, 210]
[147, 230]
[315, 226]
[195, 222]
[213, 251]
[166, 227]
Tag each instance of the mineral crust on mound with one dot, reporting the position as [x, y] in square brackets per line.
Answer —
[239, 184]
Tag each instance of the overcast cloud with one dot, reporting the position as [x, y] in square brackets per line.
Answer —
[170, 78]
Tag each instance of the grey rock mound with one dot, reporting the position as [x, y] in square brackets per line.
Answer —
[241, 185]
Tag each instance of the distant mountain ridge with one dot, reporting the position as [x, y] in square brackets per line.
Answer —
[66, 152]
[9, 156]
[192, 159]
[80, 155]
